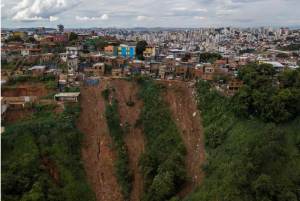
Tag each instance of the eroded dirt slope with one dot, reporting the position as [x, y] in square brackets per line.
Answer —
[97, 156]
[187, 118]
[26, 91]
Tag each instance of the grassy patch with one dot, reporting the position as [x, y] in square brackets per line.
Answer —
[4, 88]
[124, 174]
[48, 96]
[105, 93]
[11, 65]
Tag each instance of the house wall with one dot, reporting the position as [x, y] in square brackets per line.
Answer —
[109, 50]
[126, 51]
[63, 57]
[47, 57]
[181, 69]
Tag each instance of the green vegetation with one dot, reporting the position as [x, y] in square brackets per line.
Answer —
[4, 88]
[258, 52]
[163, 161]
[101, 43]
[48, 96]
[73, 36]
[249, 157]
[71, 89]
[141, 57]
[206, 56]
[215, 117]
[39, 78]
[105, 93]
[53, 84]
[11, 65]
[257, 161]
[282, 55]
[31, 63]
[124, 174]
[82, 58]
[127, 127]
[30, 148]
[140, 47]
[246, 51]
[261, 98]
[290, 47]
[14, 38]
[85, 51]
[108, 67]
[130, 103]
[72, 42]
[63, 66]
[30, 40]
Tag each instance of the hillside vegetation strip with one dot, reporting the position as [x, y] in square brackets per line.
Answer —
[124, 174]
[46, 139]
[252, 138]
[163, 161]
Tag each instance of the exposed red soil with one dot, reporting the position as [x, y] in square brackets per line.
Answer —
[135, 138]
[51, 170]
[13, 115]
[183, 106]
[25, 90]
[96, 154]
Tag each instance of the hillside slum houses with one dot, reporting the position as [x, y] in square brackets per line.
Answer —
[72, 65]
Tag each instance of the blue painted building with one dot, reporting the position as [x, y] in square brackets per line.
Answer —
[126, 51]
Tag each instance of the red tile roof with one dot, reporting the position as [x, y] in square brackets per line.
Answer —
[150, 45]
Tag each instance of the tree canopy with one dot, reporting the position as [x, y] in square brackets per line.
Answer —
[282, 55]
[73, 36]
[206, 56]
[101, 43]
[30, 40]
[261, 97]
[252, 138]
[14, 38]
[140, 47]
[30, 148]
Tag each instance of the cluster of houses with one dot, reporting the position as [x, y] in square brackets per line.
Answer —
[121, 60]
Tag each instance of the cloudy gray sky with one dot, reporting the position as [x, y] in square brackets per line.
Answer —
[150, 13]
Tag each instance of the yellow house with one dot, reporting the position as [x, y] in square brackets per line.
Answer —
[18, 34]
[261, 61]
[148, 50]
[40, 37]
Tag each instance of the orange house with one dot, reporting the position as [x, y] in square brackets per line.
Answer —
[109, 49]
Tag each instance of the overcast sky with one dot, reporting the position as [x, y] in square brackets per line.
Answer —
[150, 13]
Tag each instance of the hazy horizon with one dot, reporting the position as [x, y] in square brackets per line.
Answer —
[148, 14]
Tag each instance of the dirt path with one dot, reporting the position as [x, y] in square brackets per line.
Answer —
[97, 156]
[187, 118]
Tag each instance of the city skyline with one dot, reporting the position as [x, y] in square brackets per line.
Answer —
[153, 13]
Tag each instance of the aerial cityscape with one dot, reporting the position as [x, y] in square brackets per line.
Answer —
[150, 100]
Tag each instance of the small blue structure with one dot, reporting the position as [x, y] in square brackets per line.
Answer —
[92, 82]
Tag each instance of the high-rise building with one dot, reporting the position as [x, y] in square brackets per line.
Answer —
[271, 29]
[250, 38]
[261, 30]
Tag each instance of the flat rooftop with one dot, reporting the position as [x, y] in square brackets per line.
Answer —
[68, 94]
